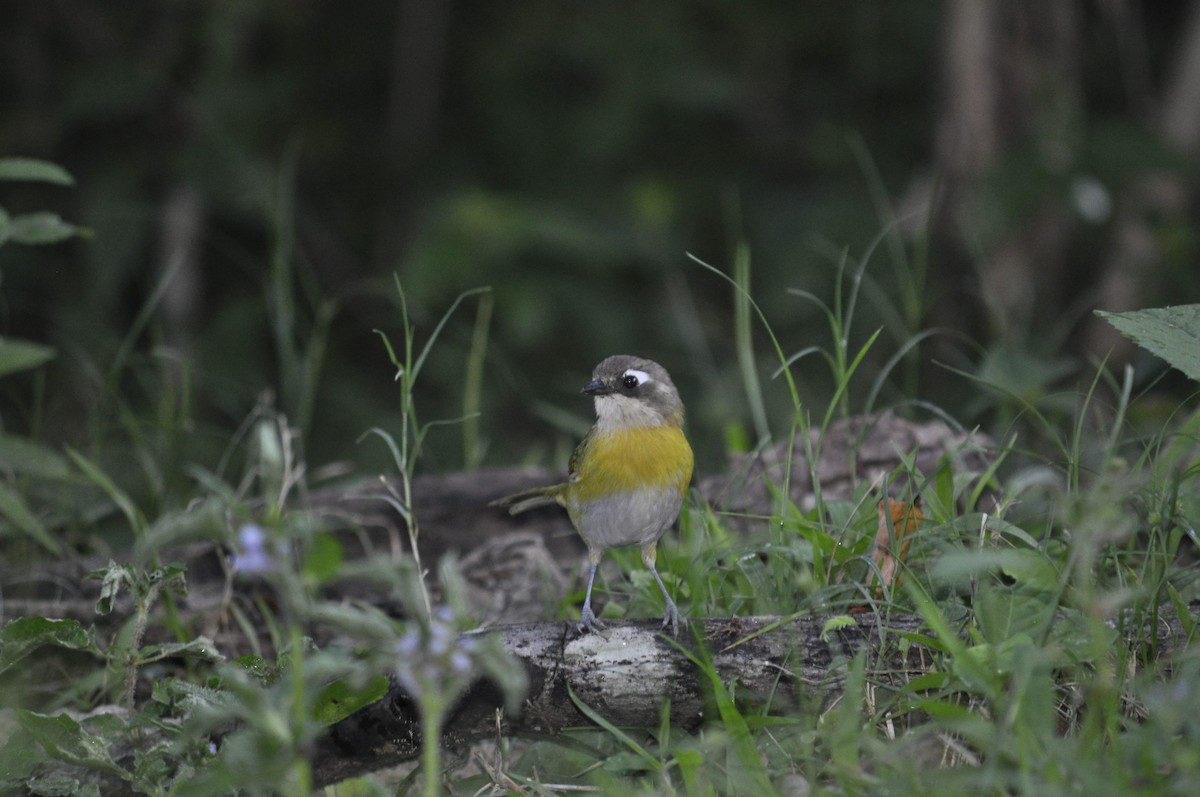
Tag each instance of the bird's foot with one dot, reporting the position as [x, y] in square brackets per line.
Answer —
[589, 622]
[671, 618]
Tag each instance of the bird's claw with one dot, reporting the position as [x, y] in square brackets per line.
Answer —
[671, 618]
[589, 622]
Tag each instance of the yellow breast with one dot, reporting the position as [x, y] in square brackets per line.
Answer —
[632, 459]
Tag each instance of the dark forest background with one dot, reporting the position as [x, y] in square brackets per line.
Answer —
[254, 173]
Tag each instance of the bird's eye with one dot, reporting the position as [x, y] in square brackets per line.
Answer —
[633, 377]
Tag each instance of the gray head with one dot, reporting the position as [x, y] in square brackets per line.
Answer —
[632, 391]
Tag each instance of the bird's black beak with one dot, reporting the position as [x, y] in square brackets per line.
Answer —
[596, 388]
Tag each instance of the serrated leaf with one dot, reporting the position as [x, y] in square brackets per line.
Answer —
[836, 623]
[1172, 333]
[42, 227]
[66, 740]
[186, 696]
[173, 577]
[14, 509]
[24, 635]
[256, 665]
[34, 170]
[111, 577]
[58, 784]
[21, 355]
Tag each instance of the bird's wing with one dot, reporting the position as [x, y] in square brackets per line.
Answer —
[578, 454]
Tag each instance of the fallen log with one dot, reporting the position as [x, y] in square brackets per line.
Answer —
[778, 664]
[627, 675]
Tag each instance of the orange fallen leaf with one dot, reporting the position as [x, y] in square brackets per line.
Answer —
[904, 518]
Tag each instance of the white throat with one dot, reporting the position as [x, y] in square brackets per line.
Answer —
[614, 412]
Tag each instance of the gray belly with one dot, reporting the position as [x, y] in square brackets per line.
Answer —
[636, 517]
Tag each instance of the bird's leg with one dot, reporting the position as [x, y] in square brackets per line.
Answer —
[587, 618]
[670, 612]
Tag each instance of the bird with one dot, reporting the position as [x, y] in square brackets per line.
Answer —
[628, 477]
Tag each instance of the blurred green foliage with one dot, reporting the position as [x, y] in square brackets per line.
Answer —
[258, 175]
[294, 155]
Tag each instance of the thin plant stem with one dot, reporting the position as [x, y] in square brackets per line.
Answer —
[431, 748]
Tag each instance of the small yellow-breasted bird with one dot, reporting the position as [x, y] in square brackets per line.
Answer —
[629, 475]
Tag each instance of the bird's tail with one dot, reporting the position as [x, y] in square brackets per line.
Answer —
[528, 499]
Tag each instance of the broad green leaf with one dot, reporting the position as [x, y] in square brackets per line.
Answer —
[20, 757]
[21, 355]
[997, 658]
[24, 635]
[204, 522]
[28, 458]
[945, 710]
[62, 784]
[1172, 333]
[201, 648]
[338, 700]
[14, 509]
[42, 227]
[34, 170]
[1027, 567]
[1030, 568]
[65, 739]
[323, 559]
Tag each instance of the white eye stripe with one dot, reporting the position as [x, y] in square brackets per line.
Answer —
[641, 376]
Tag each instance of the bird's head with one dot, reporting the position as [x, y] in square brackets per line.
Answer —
[631, 391]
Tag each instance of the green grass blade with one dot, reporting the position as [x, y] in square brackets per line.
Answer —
[18, 513]
[614, 731]
[137, 521]
[473, 384]
[441, 324]
[745, 747]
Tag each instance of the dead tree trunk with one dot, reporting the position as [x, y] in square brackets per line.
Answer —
[789, 664]
[626, 676]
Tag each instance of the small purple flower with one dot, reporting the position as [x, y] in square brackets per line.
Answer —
[409, 644]
[434, 656]
[441, 637]
[460, 662]
[252, 555]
